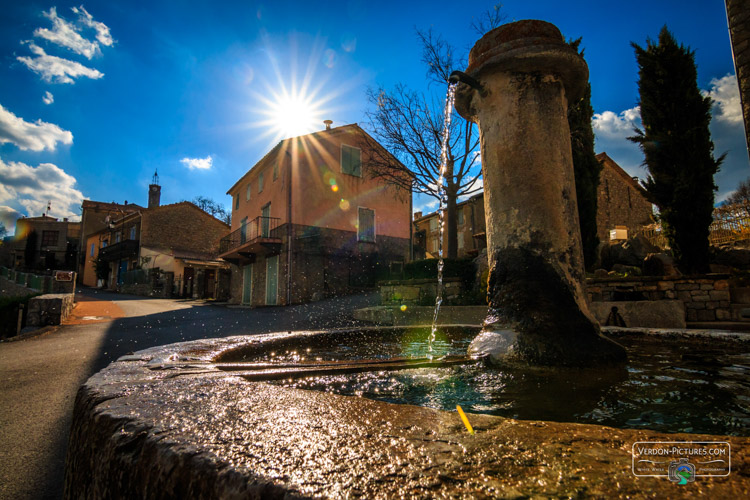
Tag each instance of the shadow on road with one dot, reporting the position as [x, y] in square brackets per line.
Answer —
[197, 321]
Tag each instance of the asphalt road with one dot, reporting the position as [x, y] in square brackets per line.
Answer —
[39, 376]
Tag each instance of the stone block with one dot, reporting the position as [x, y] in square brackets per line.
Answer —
[701, 298]
[719, 295]
[665, 285]
[721, 285]
[684, 296]
[723, 315]
[669, 294]
[707, 286]
[706, 315]
[692, 315]
[686, 286]
[643, 313]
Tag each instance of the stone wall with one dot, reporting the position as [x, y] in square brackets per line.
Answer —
[706, 298]
[620, 201]
[325, 262]
[738, 14]
[50, 309]
[181, 226]
[418, 291]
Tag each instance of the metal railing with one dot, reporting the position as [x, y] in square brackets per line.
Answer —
[731, 223]
[260, 227]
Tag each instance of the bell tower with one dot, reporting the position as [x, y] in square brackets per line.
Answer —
[154, 191]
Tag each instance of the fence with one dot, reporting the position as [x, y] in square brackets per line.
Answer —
[135, 277]
[731, 223]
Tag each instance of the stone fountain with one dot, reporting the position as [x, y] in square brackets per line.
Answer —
[196, 420]
[517, 87]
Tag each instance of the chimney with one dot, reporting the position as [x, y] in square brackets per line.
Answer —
[154, 191]
[328, 124]
[417, 215]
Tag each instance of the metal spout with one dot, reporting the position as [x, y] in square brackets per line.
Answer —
[460, 76]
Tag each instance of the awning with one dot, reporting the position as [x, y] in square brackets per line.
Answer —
[213, 264]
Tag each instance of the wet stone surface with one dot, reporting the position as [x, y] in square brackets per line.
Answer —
[164, 423]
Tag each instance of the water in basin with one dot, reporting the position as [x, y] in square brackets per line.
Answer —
[667, 385]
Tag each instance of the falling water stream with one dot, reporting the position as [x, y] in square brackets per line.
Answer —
[449, 99]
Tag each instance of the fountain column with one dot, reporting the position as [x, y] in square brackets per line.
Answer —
[521, 77]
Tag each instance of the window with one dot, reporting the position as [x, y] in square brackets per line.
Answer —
[366, 225]
[260, 183]
[105, 243]
[434, 246]
[132, 233]
[236, 202]
[248, 191]
[434, 224]
[275, 171]
[351, 162]
[460, 216]
[49, 238]
[91, 252]
[461, 241]
[117, 237]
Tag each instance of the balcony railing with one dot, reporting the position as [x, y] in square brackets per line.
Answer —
[122, 250]
[256, 229]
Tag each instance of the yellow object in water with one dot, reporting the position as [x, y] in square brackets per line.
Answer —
[465, 419]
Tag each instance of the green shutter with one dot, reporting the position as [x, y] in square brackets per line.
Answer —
[356, 162]
[345, 160]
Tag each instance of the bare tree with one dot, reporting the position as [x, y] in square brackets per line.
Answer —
[489, 20]
[741, 195]
[409, 124]
[212, 208]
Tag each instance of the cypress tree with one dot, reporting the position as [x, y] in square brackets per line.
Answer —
[586, 169]
[677, 146]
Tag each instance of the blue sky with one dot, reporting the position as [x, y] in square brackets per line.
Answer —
[95, 96]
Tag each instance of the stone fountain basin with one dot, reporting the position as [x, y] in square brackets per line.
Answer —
[169, 422]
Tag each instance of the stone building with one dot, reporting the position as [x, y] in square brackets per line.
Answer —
[738, 16]
[621, 202]
[308, 221]
[471, 235]
[95, 216]
[55, 243]
[180, 240]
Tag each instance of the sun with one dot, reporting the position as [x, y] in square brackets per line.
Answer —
[293, 115]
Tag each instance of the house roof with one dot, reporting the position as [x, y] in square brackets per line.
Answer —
[187, 204]
[612, 164]
[283, 142]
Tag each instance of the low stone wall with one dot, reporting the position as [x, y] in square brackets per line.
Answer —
[706, 297]
[50, 309]
[422, 315]
[418, 291]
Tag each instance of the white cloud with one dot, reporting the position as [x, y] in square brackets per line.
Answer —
[36, 136]
[725, 94]
[612, 125]
[66, 35]
[8, 217]
[198, 163]
[56, 69]
[48, 98]
[34, 187]
[102, 30]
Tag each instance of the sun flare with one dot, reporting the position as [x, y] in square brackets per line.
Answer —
[293, 115]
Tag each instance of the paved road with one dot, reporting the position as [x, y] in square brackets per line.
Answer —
[39, 376]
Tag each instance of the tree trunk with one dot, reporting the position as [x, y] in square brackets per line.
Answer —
[450, 240]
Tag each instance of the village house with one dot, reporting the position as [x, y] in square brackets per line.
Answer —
[179, 240]
[622, 207]
[54, 243]
[471, 235]
[308, 221]
[95, 217]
